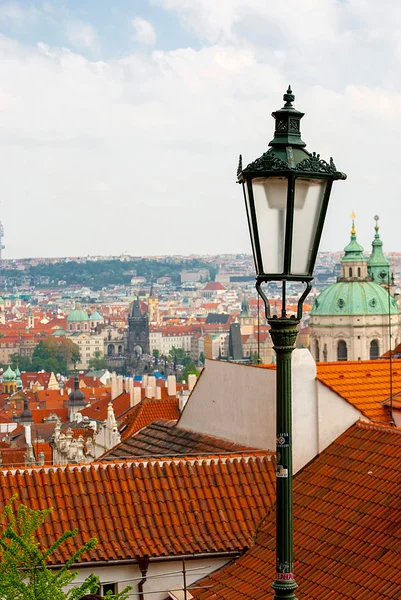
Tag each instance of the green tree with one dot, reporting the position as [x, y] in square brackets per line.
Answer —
[24, 574]
[179, 356]
[189, 370]
[24, 362]
[98, 361]
[156, 355]
[55, 354]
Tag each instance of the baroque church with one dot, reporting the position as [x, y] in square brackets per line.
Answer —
[356, 318]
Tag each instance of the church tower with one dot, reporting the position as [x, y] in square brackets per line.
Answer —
[350, 319]
[153, 307]
[378, 265]
[138, 331]
[247, 322]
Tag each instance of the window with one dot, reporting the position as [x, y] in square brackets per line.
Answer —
[359, 271]
[350, 271]
[374, 350]
[109, 587]
[317, 351]
[342, 352]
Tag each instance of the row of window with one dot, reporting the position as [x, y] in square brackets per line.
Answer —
[342, 351]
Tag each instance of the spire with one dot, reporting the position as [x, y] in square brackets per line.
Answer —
[244, 307]
[353, 251]
[26, 415]
[378, 265]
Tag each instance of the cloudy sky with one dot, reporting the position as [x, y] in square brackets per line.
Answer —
[121, 121]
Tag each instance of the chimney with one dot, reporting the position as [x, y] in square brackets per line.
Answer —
[144, 381]
[113, 386]
[191, 381]
[158, 393]
[171, 385]
[137, 395]
[120, 380]
[149, 391]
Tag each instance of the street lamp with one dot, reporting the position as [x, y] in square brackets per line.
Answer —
[286, 191]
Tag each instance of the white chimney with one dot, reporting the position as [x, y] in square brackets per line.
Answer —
[149, 391]
[137, 395]
[144, 381]
[120, 380]
[171, 385]
[191, 381]
[114, 393]
[28, 437]
[158, 395]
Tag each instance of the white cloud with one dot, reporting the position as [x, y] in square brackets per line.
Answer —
[140, 153]
[144, 31]
[82, 36]
[16, 14]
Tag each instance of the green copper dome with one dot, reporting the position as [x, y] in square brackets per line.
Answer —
[77, 316]
[354, 298]
[96, 316]
[9, 374]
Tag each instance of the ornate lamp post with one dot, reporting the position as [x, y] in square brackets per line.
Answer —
[287, 191]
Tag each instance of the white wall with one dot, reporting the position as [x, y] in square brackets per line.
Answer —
[336, 415]
[159, 577]
[237, 402]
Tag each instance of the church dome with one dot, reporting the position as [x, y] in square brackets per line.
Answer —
[9, 374]
[77, 316]
[96, 316]
[354, 298]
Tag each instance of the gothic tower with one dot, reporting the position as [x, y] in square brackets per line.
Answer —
[138, 331]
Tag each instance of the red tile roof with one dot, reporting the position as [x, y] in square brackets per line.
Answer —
[347, 527]
[148, 411]
[149, 508]
[364, 384]
[98, 410]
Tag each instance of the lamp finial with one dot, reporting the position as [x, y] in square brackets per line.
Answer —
[288, 98]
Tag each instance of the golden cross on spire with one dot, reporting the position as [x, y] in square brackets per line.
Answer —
[376, 218]
[353, 217]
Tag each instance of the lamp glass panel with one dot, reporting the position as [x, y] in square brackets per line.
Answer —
[308, 204]
[270, 198]
[248, 214]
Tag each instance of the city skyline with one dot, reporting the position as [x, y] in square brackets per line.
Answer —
[121, 124]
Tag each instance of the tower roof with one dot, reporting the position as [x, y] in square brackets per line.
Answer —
[244, 307]
[377, 258]
[26, 415]
[76, 397]
[353, 250]
[9, 374]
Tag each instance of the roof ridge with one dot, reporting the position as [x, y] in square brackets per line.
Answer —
[378, 427]
[212, 457]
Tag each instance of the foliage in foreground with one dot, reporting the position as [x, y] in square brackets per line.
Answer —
[24, 574]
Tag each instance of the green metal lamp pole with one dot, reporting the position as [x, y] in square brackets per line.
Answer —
[286, 192]
[284, 332]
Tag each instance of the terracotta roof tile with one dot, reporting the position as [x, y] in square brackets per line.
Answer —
[132, 518]
[148, 411]
[347, 536]
[364, 384]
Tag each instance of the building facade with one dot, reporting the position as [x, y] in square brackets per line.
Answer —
[356, 318]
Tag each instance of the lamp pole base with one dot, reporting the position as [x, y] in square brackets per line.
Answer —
[284, 589]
